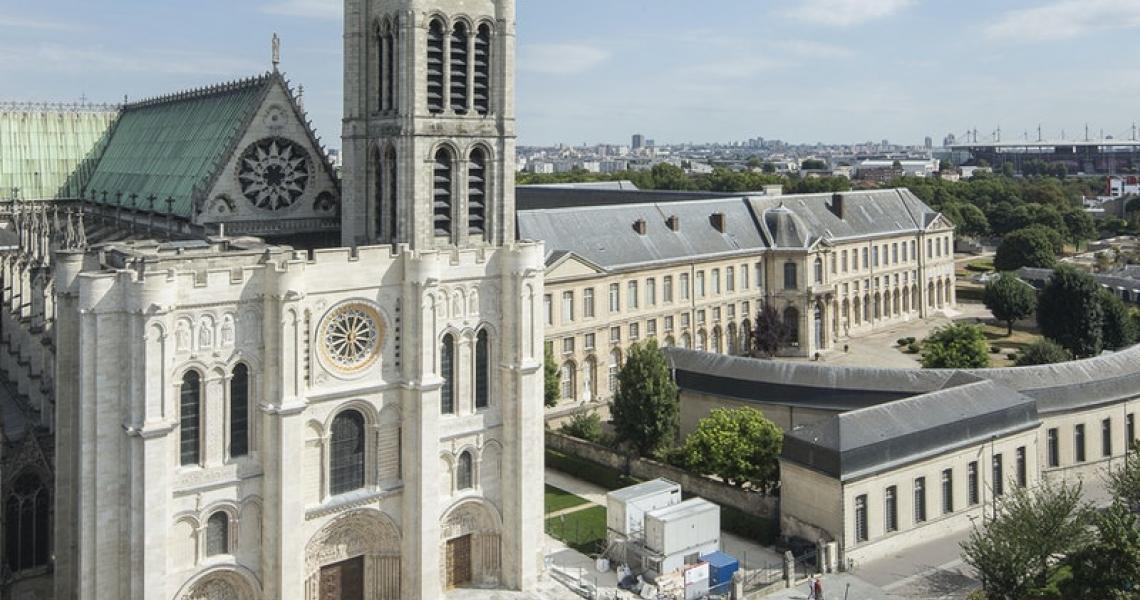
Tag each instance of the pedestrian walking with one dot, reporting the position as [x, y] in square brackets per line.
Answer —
[811, 589]
[818, 589]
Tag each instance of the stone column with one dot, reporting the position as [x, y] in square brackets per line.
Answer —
[67, 446]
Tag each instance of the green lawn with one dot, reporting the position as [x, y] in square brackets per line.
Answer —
[557, 499]
[583, 530]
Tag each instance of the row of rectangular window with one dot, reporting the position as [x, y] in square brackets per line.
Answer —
[973, 498]
[1053, 441]
[569, 345]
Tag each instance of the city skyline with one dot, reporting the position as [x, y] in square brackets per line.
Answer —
[831, 71]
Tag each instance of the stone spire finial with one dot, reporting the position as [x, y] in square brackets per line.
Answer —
[276, 52]
[80, 233]
[69, 241]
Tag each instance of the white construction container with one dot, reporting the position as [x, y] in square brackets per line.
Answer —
[690, 526]
[626, 508]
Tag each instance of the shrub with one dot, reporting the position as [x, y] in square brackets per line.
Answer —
[995, 350]
[902, 341]
[913, 348]
[600, 475]
[911, 340]
[1043, 352]
[957, 346]
[1011, 356]
[585, 426]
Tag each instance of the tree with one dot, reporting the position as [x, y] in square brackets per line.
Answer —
[1051, 233]
[1070, 311]
[1118, 330]
[645, 407]
[1108, 568]
[813, 164]
[551, 383]
[1080, 225]
[771, 333]
[584, 426]
[1042, 352]
[740, 446]
[1124, 482]
[956, 346]
[1015, 552]
[1009, 299]
[1025, 248]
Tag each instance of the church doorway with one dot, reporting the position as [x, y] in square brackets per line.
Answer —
[459, 561]
[343, 580]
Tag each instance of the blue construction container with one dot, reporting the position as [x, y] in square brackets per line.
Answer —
[721, 568]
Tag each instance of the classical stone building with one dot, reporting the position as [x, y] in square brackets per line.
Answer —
[238, 418]
[692, 270]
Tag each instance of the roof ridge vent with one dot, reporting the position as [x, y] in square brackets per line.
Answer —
[673, 223]
[640, 226]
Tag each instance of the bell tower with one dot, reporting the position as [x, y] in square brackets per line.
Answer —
[429, 123]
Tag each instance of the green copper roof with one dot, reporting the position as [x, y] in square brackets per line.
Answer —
[48, 151]
[172, 146]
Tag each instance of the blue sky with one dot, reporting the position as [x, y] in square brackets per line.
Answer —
[675, 70]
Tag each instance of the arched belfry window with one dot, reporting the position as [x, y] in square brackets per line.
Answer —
[218, 534]
[239, 411]
[387, 64]
[463, 475]
[482, 83]
[190, 412]
[435, 67]
[346, 460]
[447, 373]
[393, 204]
[477, 193]
[27, 523]
[441, 191]
[482, 370]
[458, 68]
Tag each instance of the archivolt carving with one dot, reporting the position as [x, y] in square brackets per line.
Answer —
[469, 518]
[355, 534]
[223, 585]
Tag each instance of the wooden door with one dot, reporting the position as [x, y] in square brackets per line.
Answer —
[459, 561]
[344, 580]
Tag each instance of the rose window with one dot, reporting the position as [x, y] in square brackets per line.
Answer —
[351, 337]
[274, 173]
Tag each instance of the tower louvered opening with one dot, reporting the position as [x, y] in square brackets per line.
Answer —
[482, 70]
[477, 193]
[441, 192]
[387, 67]
[458, 69]
[435, 67]
[393, 204]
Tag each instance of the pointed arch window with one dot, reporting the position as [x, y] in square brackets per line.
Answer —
[390, 179]
[387, 62]
[380, 189]
[239, 411]
[447, 373]
[477, 193]
[463, 475]
[27, 523]
[346, 460]
[482, 79]
[458, 68]
[482, 370]
[190, 412]
[435, 67]
[441, 192]
[218, 534]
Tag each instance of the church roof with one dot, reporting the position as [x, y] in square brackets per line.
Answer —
[48, 150]
[173, 146]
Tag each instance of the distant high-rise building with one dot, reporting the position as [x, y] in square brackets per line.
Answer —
[929, 142]
[650, 144]
[638, 141]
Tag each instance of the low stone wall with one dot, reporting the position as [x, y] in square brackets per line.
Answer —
[712, 490]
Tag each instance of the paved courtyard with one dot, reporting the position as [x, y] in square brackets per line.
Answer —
[879, 349]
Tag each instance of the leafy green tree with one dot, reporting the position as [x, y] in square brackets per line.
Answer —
[956, 346]
[1080, 225]
[813, 164]
[1050, 233]
[1025, 248]
[771, 334]
[1124, 481]
[645, 407]
[1070, 311]
[1108, 568]
[585, 426]
[1042, 352]
[1009, 299]
[551, 383]
[1118, 330]
[1017, 550]
[740, 446]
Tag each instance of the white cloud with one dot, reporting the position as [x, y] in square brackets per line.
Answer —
[560, 59]
[846, 13]
[16, 22]
[1064, 19]
[320, 9]
[61, 58]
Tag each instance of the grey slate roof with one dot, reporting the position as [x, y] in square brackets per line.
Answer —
[598, 225]
[605, 235]
[556, 196]
[873, 439]
[890, 395]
